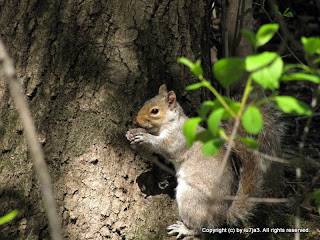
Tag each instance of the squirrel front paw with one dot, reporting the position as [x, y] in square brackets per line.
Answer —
[180, 230]
[137, 135]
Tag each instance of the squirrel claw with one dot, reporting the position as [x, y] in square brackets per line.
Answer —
[138, 139]
[137, 136]
[180, 229]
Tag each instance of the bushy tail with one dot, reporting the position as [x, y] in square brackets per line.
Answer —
[254, 167]
[249, 185]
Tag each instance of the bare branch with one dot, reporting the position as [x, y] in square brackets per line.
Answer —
[301, 146]
[279, 34]
[31, 136]
[268, 157]
[289, 36]
[228, 152]
[235, 198]
[259, 200]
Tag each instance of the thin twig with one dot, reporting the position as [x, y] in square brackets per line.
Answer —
[280, 36]
[303, 117]
[32, 139]
[306, 129]
[298, 169]
[295, 182]
[268, 157]
[235, 198]
[235, 129]
[258, 200]
[229, 148]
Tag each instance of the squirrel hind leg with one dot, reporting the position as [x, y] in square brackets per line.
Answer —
[181, 230]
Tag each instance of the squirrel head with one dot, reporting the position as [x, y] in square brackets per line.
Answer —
[158, 111]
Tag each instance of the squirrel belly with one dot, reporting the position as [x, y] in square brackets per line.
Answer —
[200, 197]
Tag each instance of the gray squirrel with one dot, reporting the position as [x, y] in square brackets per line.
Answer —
[200, 198]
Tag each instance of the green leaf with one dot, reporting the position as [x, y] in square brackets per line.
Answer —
[189, 129]
[196, 69]
[194, 86]
[317, 60]
[214, 120]
[292, 105]
[250, 36]
[265, 33]
[186, 62]
[311, 45]
[8, 217]
[252, 120]
[235, 107]
[316, 196]
[205, 108]
[229, 70]
[266, 69]
[301, 76]
[249, 142]
[204, 136]
[258, 61]
[212, 147]
[288, 15]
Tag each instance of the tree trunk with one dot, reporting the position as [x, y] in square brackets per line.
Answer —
[237, 15]
[87, 67]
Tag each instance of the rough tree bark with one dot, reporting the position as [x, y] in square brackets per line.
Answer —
[86, 67]
[236, 15]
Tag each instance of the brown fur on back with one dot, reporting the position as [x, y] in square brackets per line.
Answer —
[254, 168]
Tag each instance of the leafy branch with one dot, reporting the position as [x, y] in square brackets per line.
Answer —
[265, 69]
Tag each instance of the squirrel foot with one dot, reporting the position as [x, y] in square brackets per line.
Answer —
[180, 229]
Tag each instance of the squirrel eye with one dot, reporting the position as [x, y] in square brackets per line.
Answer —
[154, 110]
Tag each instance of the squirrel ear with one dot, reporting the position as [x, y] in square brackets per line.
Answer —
[162, 89]
[171, 99]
